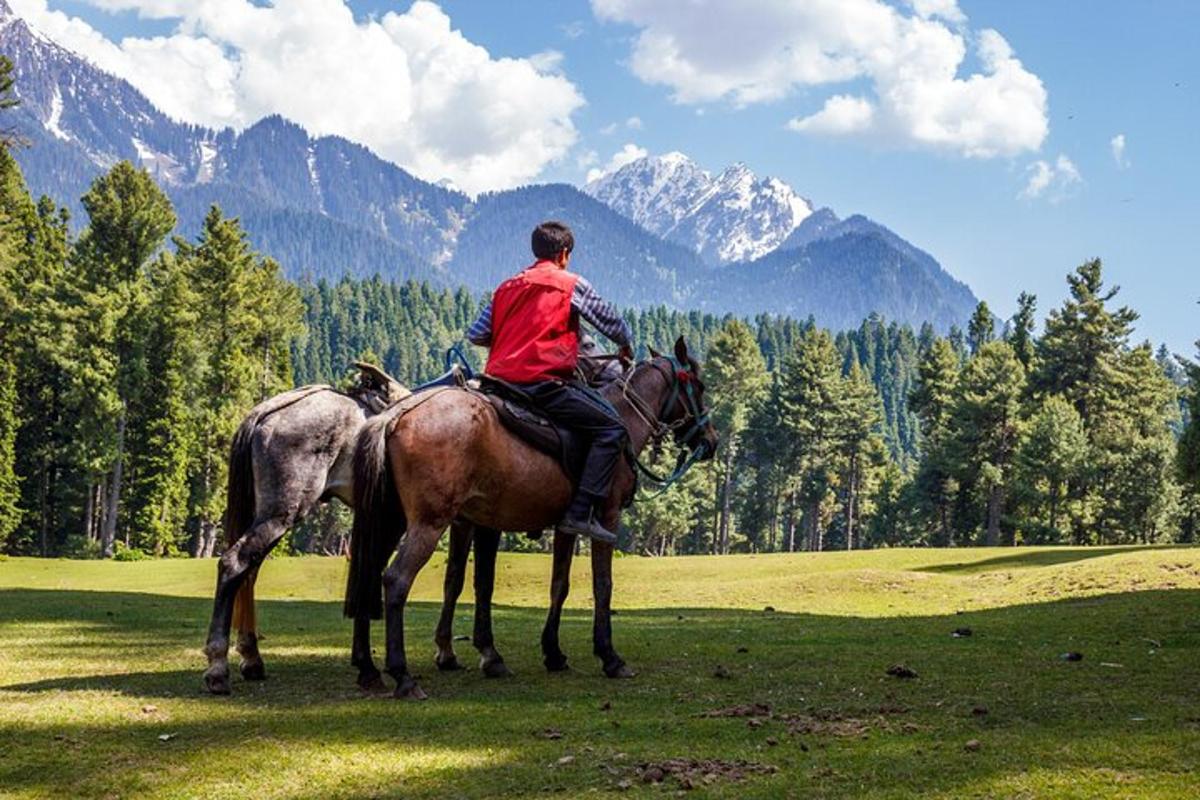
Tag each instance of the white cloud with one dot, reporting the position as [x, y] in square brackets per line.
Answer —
[626, 155]
[1054, 181]
[634, 123]
[408, 84]
[719, 52]
[1117, 143]
[841, 114]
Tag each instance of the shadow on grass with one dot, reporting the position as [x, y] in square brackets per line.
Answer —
[1043, 556]
[486, 738]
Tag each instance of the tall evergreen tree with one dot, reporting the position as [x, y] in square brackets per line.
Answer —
[1187, 459]
[1020, 332]
[162, 429]
[985, 428]
[1052, 458]
[1082, 343]
[931, 399]
[857, 419]
[811, 396]
[981, 329]
[9, 421]
[129, 218]
[737, 377]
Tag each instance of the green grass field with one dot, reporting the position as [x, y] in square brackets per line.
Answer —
[100, 661]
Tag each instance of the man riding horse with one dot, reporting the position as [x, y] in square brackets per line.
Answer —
[531, 328]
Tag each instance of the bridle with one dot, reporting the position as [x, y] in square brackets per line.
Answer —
[688, 430]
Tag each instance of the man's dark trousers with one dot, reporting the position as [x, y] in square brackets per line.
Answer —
[600, 428]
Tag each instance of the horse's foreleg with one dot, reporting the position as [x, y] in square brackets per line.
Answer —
[560, 586]
[487, 543]
[456, 569]
[241, 559]
[415, 548]
[614, 665]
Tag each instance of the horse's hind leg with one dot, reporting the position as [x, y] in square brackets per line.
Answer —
[244, 619]
[236, 563]
[487, 542]
[456, 573]
[414, 551]
[560, 586]
[369, 678]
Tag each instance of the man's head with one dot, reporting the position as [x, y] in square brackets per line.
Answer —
[553, 241]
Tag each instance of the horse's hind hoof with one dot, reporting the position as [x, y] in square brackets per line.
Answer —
[620, 671]
[409, 689]
[216, 683]
[556, 663]
[372, 683]
[254, 671]
[448, 665]
[496, 669]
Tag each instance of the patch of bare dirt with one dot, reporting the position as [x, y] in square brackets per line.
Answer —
[744, 710]
[693, 773]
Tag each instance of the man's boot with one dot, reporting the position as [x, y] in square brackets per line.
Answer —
[577, 524]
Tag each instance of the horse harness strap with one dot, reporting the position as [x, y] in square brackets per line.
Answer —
[693, 413]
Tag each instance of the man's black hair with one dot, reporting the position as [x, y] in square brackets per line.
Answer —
[551, 238]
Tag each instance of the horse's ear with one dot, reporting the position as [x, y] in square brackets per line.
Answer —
[681, 352]
[653, 353]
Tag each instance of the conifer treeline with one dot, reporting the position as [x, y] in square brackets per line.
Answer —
[125, 366]
[876, 436]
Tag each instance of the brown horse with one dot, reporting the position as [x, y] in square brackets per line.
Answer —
[446, 455]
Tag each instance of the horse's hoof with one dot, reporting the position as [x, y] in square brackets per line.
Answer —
[409, 689]
[254, 670]
[448, 665]
[372, 683]
[620, 671]
[496, 669]
[556, 663]
[216, 683]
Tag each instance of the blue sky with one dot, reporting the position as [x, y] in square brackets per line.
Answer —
[1107, 69]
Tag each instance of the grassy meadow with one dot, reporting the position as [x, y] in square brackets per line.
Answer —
[100, 670]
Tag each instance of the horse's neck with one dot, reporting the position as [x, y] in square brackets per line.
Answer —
[645, 381]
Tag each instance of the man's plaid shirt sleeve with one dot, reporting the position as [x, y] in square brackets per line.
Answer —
[601, 313]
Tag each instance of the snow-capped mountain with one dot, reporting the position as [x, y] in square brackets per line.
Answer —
[80, 120]
[325, 207]
[733, 216]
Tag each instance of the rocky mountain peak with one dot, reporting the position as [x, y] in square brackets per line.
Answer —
[734, 216]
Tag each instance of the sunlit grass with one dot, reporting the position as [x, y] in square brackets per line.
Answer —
[98, 660]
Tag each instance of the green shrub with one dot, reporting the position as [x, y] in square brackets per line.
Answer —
[123, 553]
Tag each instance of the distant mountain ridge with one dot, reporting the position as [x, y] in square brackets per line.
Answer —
[662, 232]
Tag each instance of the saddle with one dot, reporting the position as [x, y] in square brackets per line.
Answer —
[519, 414]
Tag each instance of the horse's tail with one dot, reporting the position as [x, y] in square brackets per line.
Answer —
[378, 517]
[239, 514]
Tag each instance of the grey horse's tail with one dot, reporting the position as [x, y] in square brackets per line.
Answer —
[378, 517]
[239, 496]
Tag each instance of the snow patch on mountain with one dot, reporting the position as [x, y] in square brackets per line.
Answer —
[735, 216]
[54, 121]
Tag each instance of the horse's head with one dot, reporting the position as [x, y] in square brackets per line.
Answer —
[686, 412]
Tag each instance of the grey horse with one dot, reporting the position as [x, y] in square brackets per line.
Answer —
[292, 452]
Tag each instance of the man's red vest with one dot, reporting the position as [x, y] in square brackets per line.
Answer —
[535, 337]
